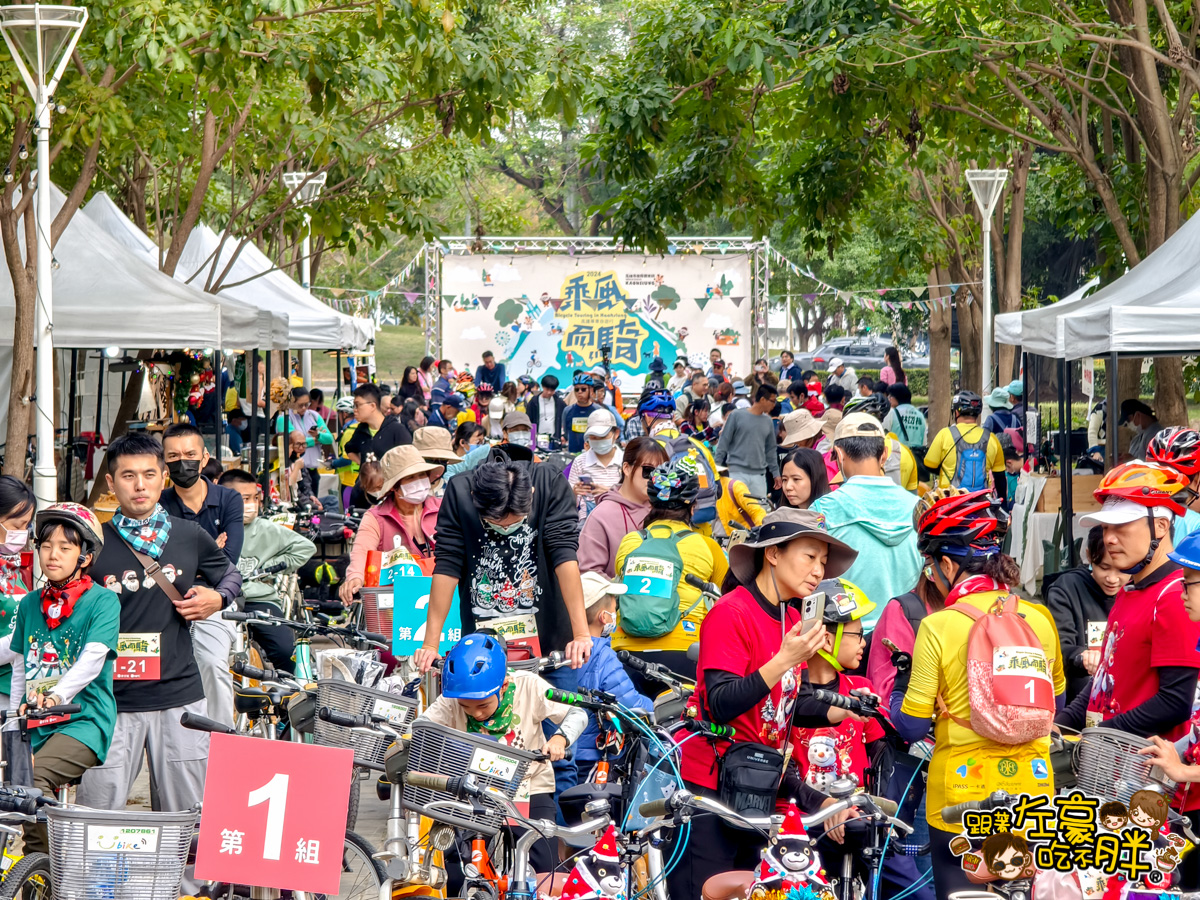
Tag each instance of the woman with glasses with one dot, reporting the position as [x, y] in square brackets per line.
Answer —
[575, 418]
[621, 509]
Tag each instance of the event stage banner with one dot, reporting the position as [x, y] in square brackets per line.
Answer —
[557, 313]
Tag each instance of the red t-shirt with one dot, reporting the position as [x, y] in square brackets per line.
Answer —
[739, 636]
[847, 741]
[1147, 630]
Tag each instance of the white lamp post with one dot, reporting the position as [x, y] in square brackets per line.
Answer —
[41, 39]
[986, 185]
[310, 186]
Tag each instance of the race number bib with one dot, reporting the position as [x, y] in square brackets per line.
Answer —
[1021, 677]
[139, 657]
[579, 426]
[42, 687]
[518, 631]
[648, 577]
[1095, 635]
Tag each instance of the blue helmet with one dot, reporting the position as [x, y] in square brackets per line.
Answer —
[1187, 554]
[656, 403]
[475, 668]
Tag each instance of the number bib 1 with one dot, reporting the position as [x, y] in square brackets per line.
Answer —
[579, 425]
[1020, 677]
[649, 577]
[139, 657]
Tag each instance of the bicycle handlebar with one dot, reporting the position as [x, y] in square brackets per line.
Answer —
[685, 799]
[953, 815]
[22, 800]
[704, 587]
[333, 716]
[651, 670]
[63, 709]
[241, 667]
[202, 723]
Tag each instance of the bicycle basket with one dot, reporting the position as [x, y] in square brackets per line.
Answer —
[370, 747]
[377, 609]
[118, 855]
[1107, 765]
[438, 750]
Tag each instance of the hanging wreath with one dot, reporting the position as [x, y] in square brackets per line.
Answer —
[186, 381]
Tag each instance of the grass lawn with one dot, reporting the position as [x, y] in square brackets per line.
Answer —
[396, 346]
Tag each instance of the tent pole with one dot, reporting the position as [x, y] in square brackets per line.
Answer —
[1068, 483]
[99, 393]
[1064, 473]
[266, 470]
[1114, 403]
[219, 427]
[253, 412]
[1025, 397]
[71, 420]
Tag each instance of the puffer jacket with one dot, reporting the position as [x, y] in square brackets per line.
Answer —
[604, 672]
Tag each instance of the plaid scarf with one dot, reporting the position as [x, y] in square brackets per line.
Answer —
[147, 535]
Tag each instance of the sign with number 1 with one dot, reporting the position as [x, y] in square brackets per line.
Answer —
[266, 821]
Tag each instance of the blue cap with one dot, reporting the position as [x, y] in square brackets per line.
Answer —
[1016, 388]
[1187, 554]
[656, 365]
[740, 389]
[456, 400]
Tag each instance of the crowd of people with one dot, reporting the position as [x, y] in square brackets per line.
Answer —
[582, 516]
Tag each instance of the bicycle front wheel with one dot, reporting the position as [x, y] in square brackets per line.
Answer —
[362, 876]
[28, 879]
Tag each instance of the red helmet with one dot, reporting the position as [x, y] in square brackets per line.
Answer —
[1177, 447]
[955, 522]
[1145, 483]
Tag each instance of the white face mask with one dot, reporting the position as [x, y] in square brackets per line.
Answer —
[607, 629]
[520, 438]
[416, 491]
[249, 513]
[601, 445]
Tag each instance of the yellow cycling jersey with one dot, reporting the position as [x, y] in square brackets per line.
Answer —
[965, 766]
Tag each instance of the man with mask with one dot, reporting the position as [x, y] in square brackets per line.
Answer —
[217, 510]
[1144, 423]
[518, 436]
[266, 544]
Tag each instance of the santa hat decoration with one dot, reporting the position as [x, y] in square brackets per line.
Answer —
[793, 826]
[606, 848]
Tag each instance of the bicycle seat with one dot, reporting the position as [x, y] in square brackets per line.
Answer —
[250, 700]
[728, 886]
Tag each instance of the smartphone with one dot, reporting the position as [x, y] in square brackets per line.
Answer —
[812, 609]
[585, 479]
[890, 646]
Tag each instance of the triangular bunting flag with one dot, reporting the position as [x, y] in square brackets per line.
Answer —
[702, 301]
[672, 249]
[448, 299]
[810, 297]
[918, 291]
[737, 301]
[411, 296]
[882, 291]
[556, 302]
[953, 289]
[484, 301]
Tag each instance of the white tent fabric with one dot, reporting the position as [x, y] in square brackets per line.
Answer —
[254, 279]
[1035, 330]
[1165, 278]
[1156, 330]
[104, 296]
[105, 213]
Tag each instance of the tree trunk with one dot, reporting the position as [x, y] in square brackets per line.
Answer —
[970, 339]
[1129, 382]
[21, 389]
[1170, 402]
[940, 382]
[1009, 288]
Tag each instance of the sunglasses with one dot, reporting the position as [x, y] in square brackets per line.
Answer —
[647, 471]
[582, 387]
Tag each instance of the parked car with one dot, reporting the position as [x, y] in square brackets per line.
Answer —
[857, 352]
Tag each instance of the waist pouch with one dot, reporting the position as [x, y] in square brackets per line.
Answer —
[748, 778]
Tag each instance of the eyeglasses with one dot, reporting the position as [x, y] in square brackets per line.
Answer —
[582, 388]
[1188, 584]
[854, 634]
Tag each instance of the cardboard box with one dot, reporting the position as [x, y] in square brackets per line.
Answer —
[1082, 488]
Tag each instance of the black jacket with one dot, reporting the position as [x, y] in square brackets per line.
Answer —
[534, 411]
[1074, 599]
[500, 576]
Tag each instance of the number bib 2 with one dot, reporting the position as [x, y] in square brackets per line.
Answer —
[1021, 677]
[139, 657]
[649, 577]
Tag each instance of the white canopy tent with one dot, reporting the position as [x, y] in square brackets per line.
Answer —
[108, 216]
[252, 277]
[1158, 329]
[104, 295]
[1035, 330]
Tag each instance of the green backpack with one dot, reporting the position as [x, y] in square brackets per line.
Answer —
[650, 608]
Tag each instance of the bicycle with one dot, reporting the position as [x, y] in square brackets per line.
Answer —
[362, 876]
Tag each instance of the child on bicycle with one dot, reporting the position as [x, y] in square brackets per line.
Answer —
[603, 671]
[67, 635]
[266, 544]
[849, 748]
[481, 696]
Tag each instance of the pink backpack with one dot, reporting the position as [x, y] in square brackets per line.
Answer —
[1008, 676]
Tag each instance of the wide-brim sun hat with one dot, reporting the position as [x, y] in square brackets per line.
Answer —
[782, 527]
[830, 420]
[433, 442]
[799, 425]
[403, 461]
[998, 399]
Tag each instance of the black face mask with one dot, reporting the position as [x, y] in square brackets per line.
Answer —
[184, 472]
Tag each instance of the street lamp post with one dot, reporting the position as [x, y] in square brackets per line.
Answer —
[986, 185]
[41, 39]
[310, 186]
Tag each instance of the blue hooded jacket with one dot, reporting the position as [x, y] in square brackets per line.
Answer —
[604, 672]
[873, 515]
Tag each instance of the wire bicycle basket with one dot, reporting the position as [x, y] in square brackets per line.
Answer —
[438, 750]
[118, 855]
[1107, 764]
[370, 747]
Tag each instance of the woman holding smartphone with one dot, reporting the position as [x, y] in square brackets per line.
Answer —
[753, 648]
